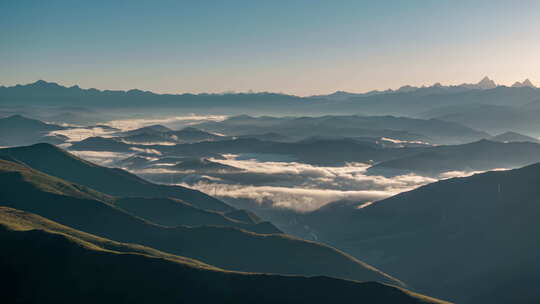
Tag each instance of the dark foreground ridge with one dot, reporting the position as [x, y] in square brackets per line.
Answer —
[82, 268]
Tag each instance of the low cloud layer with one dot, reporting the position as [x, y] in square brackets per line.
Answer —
[300, 199]
[101, 158]
[174, 122]
[82, 133]
[298, 186]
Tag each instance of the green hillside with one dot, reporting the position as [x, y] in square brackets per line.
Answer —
[57, 162]
[44, 262]
[229, 248]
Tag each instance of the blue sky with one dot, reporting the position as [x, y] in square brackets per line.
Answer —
[297, 46]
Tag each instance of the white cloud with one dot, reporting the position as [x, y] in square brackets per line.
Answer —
[452, 174]
[101, 158]
[305, 187]
[175, 122]
[293, 185]
[130, 124]
[148, 151]
[300, 199]
[350, 177]
[79, 134]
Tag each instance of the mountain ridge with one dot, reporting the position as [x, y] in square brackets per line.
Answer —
[32, 191]
[83, 268]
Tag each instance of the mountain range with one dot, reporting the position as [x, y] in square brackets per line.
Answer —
[426, 160]
[400, 128]
[417, 99]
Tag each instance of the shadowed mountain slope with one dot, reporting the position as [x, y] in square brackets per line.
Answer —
[174, 212]
[56, 162]
[84, 268]
[229, 248]
[477, 235]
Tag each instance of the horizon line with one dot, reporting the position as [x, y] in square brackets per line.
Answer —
[233, 92]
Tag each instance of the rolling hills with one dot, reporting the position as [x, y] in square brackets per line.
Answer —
[84, 268]
[56, 162]
[85, 209]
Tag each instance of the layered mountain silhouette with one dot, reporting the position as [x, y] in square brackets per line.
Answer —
[491, 118]
[158, 133]
[407, 100]
[57, 162]
[84, 268]
[152, 129]
[401, 128]
[388, 160]
[74, 231]
[478, 156]
[52, 94]
[93, 212]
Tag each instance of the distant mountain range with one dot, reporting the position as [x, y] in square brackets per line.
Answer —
[161, 134]
[483, 106]
[417, 99]
[485, 84]
[193, 146]
[401, 128]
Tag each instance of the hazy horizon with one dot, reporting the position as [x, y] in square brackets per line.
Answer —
[252, 91]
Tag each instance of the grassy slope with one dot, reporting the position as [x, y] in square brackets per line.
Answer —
[154, 206]
[82, 268]
[56, 162]
[477, 235]
[228, 248]
[174, 212]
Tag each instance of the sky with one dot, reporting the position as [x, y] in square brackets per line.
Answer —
[302, 47]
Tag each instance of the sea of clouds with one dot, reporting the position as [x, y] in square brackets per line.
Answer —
[283, 182]
[122, 125]
[299, 186]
